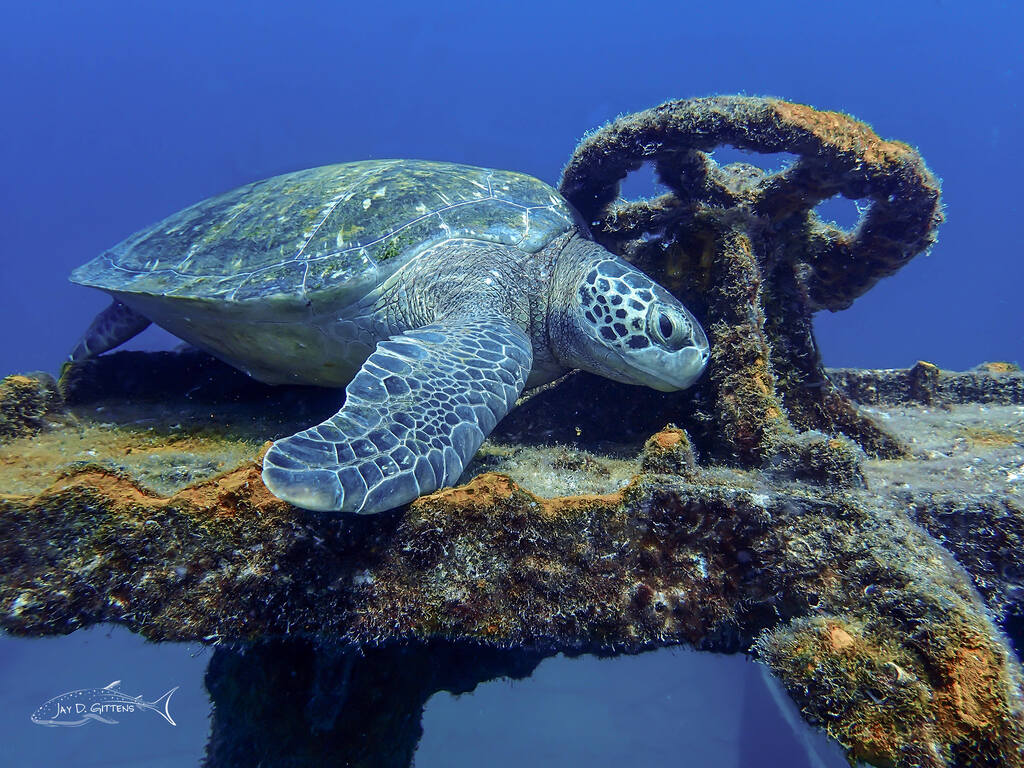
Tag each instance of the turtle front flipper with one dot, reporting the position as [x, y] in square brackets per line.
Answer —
[111, 328]
[413, 417]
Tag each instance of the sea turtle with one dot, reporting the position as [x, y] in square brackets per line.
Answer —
[435, 291]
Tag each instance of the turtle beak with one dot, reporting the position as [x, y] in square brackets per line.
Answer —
[665, 371]
[686, 367]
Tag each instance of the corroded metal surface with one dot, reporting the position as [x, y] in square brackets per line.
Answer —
[816, 563]
[836, 155]
[868, 554]
[746, 251]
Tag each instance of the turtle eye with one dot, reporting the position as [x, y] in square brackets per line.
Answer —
[669, 330]
[665, 326]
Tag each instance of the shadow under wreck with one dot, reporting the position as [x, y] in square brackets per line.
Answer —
[872, 568]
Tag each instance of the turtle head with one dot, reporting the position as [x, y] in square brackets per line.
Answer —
[611, 319]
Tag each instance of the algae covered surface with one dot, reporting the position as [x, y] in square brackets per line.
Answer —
[152, 450]
[856, 531]
[852, 578]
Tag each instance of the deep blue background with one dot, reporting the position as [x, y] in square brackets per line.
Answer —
[115, 114]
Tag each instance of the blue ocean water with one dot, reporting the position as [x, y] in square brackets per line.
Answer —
[118, 113]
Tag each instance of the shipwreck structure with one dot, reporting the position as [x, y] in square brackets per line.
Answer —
[875, 570]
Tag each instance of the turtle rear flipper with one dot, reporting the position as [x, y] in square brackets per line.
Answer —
[413, 417]
[110, 328]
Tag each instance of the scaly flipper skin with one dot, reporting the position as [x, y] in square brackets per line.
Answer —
[110, 328]
[413, 417]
